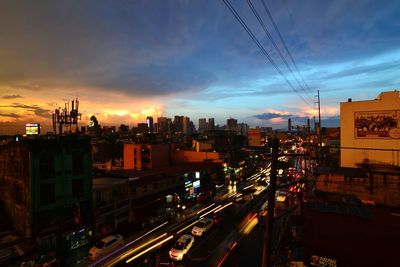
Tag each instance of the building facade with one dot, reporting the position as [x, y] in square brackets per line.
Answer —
[146, 156]
[46, 190]
[370, 131]
[254, 137]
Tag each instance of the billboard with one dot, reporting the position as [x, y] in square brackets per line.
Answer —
[32, 129]
[380, 124]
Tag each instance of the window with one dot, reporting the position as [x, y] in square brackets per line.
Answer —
[46, 166]
[47, 194]
[77, 163]
[77, 188]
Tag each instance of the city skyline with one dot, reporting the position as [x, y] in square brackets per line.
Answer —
[126, 61]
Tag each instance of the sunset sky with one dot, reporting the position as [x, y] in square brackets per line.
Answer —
[126, 60]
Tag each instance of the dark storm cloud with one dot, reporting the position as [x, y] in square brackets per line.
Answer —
[38, 111]
[10, 115]
[271, 115]
[147, 48]
[268, 116]
[11, 96]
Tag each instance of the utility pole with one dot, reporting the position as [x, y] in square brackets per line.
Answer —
[319, 127]
[266, 259]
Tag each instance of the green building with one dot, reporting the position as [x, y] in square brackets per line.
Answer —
[46, 191]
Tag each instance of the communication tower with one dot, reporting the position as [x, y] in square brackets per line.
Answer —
[66, 118]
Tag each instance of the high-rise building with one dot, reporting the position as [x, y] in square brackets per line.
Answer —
[178, 123]
[164, 125]
[211, 124]
[289, 125]
[242, 128]
[231, 124]
[149, 121]
[143, 128]
[203, 124]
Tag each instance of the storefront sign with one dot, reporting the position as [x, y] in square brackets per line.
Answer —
[322, 261]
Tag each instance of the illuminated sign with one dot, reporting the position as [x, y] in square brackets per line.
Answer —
[188, 184]
[196, 184]
[322, 261]
[32, 129]
[197, 175]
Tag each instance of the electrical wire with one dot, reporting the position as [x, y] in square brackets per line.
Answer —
[263, 25]
[284, 43]
[265, 52]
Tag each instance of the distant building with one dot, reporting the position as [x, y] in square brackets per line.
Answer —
[370, 131]
[200, 145]
[149, 121]
[231, 124]
[211, 124]
[203, 124]
[123, 129]
[254, 137]
[241, 129]
[178, 123]
[164, 125]
[46, 190]
[93, 126]
[289, 125]
[143, 128]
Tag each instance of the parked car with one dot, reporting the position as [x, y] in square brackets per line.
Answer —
[181, 247]
[202, 226]
[105, 245]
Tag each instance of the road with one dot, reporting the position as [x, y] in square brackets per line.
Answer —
[157, 241]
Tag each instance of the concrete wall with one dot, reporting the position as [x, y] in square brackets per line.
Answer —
[381, 188]
[370, 147]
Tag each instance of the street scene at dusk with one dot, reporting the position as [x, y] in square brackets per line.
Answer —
[199, 133]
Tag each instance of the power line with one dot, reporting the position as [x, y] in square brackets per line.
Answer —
[284, 43]
[265, 53]
[275, 45]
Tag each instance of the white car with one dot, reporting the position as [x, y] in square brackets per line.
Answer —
[202, 226]
[105, 245]
[181, 247]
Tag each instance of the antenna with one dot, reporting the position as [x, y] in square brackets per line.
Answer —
[66, 118]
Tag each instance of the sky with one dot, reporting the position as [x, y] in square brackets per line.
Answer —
[126, 60]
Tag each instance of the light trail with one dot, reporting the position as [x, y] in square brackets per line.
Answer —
[186, 227]
[223, 207]
[140, 247]
[150, 248]
[208, 212]
[152, 230]
[200, 211]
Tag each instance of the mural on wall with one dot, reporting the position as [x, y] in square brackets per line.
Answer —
[381, 124]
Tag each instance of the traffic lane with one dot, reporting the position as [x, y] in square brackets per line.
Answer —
[119, 256]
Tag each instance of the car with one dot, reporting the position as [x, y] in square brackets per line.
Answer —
[202, 226]
[181, 247]
[105, 245]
